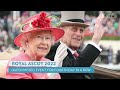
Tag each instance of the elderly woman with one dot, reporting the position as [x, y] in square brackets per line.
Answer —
[36, 39]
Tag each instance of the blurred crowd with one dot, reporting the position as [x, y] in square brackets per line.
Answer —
[112, 25]
[107, 56]
[9, 29]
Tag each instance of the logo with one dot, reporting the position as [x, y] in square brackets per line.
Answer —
[112, 15]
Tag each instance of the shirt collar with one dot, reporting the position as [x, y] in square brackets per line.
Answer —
[70, 49]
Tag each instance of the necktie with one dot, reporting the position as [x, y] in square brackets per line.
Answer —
[75, 54]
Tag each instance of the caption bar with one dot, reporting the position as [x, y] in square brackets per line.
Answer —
[51, 70]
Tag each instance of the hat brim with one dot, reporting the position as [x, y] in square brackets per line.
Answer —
[66, 23]
[56, 32]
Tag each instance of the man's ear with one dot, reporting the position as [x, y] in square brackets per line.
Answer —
[63, 39]
[53, 41]
[84, 33]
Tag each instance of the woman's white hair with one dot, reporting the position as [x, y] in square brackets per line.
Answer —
[24, 40]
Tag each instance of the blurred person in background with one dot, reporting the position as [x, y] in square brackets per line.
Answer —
[109, 27]
[110, 55]
[5, 23]
[10, 22]
[118, 57]
[118, 30]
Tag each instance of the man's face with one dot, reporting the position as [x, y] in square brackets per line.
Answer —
[73, 36]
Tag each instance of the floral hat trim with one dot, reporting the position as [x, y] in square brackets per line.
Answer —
[43, 21]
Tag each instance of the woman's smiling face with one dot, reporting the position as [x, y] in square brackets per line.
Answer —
[39, 43]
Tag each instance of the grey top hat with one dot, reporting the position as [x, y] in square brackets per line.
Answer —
[73, 18]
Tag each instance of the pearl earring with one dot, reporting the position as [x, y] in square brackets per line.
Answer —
[27, 46]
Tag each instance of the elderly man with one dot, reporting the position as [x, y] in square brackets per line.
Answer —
[74, 26]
